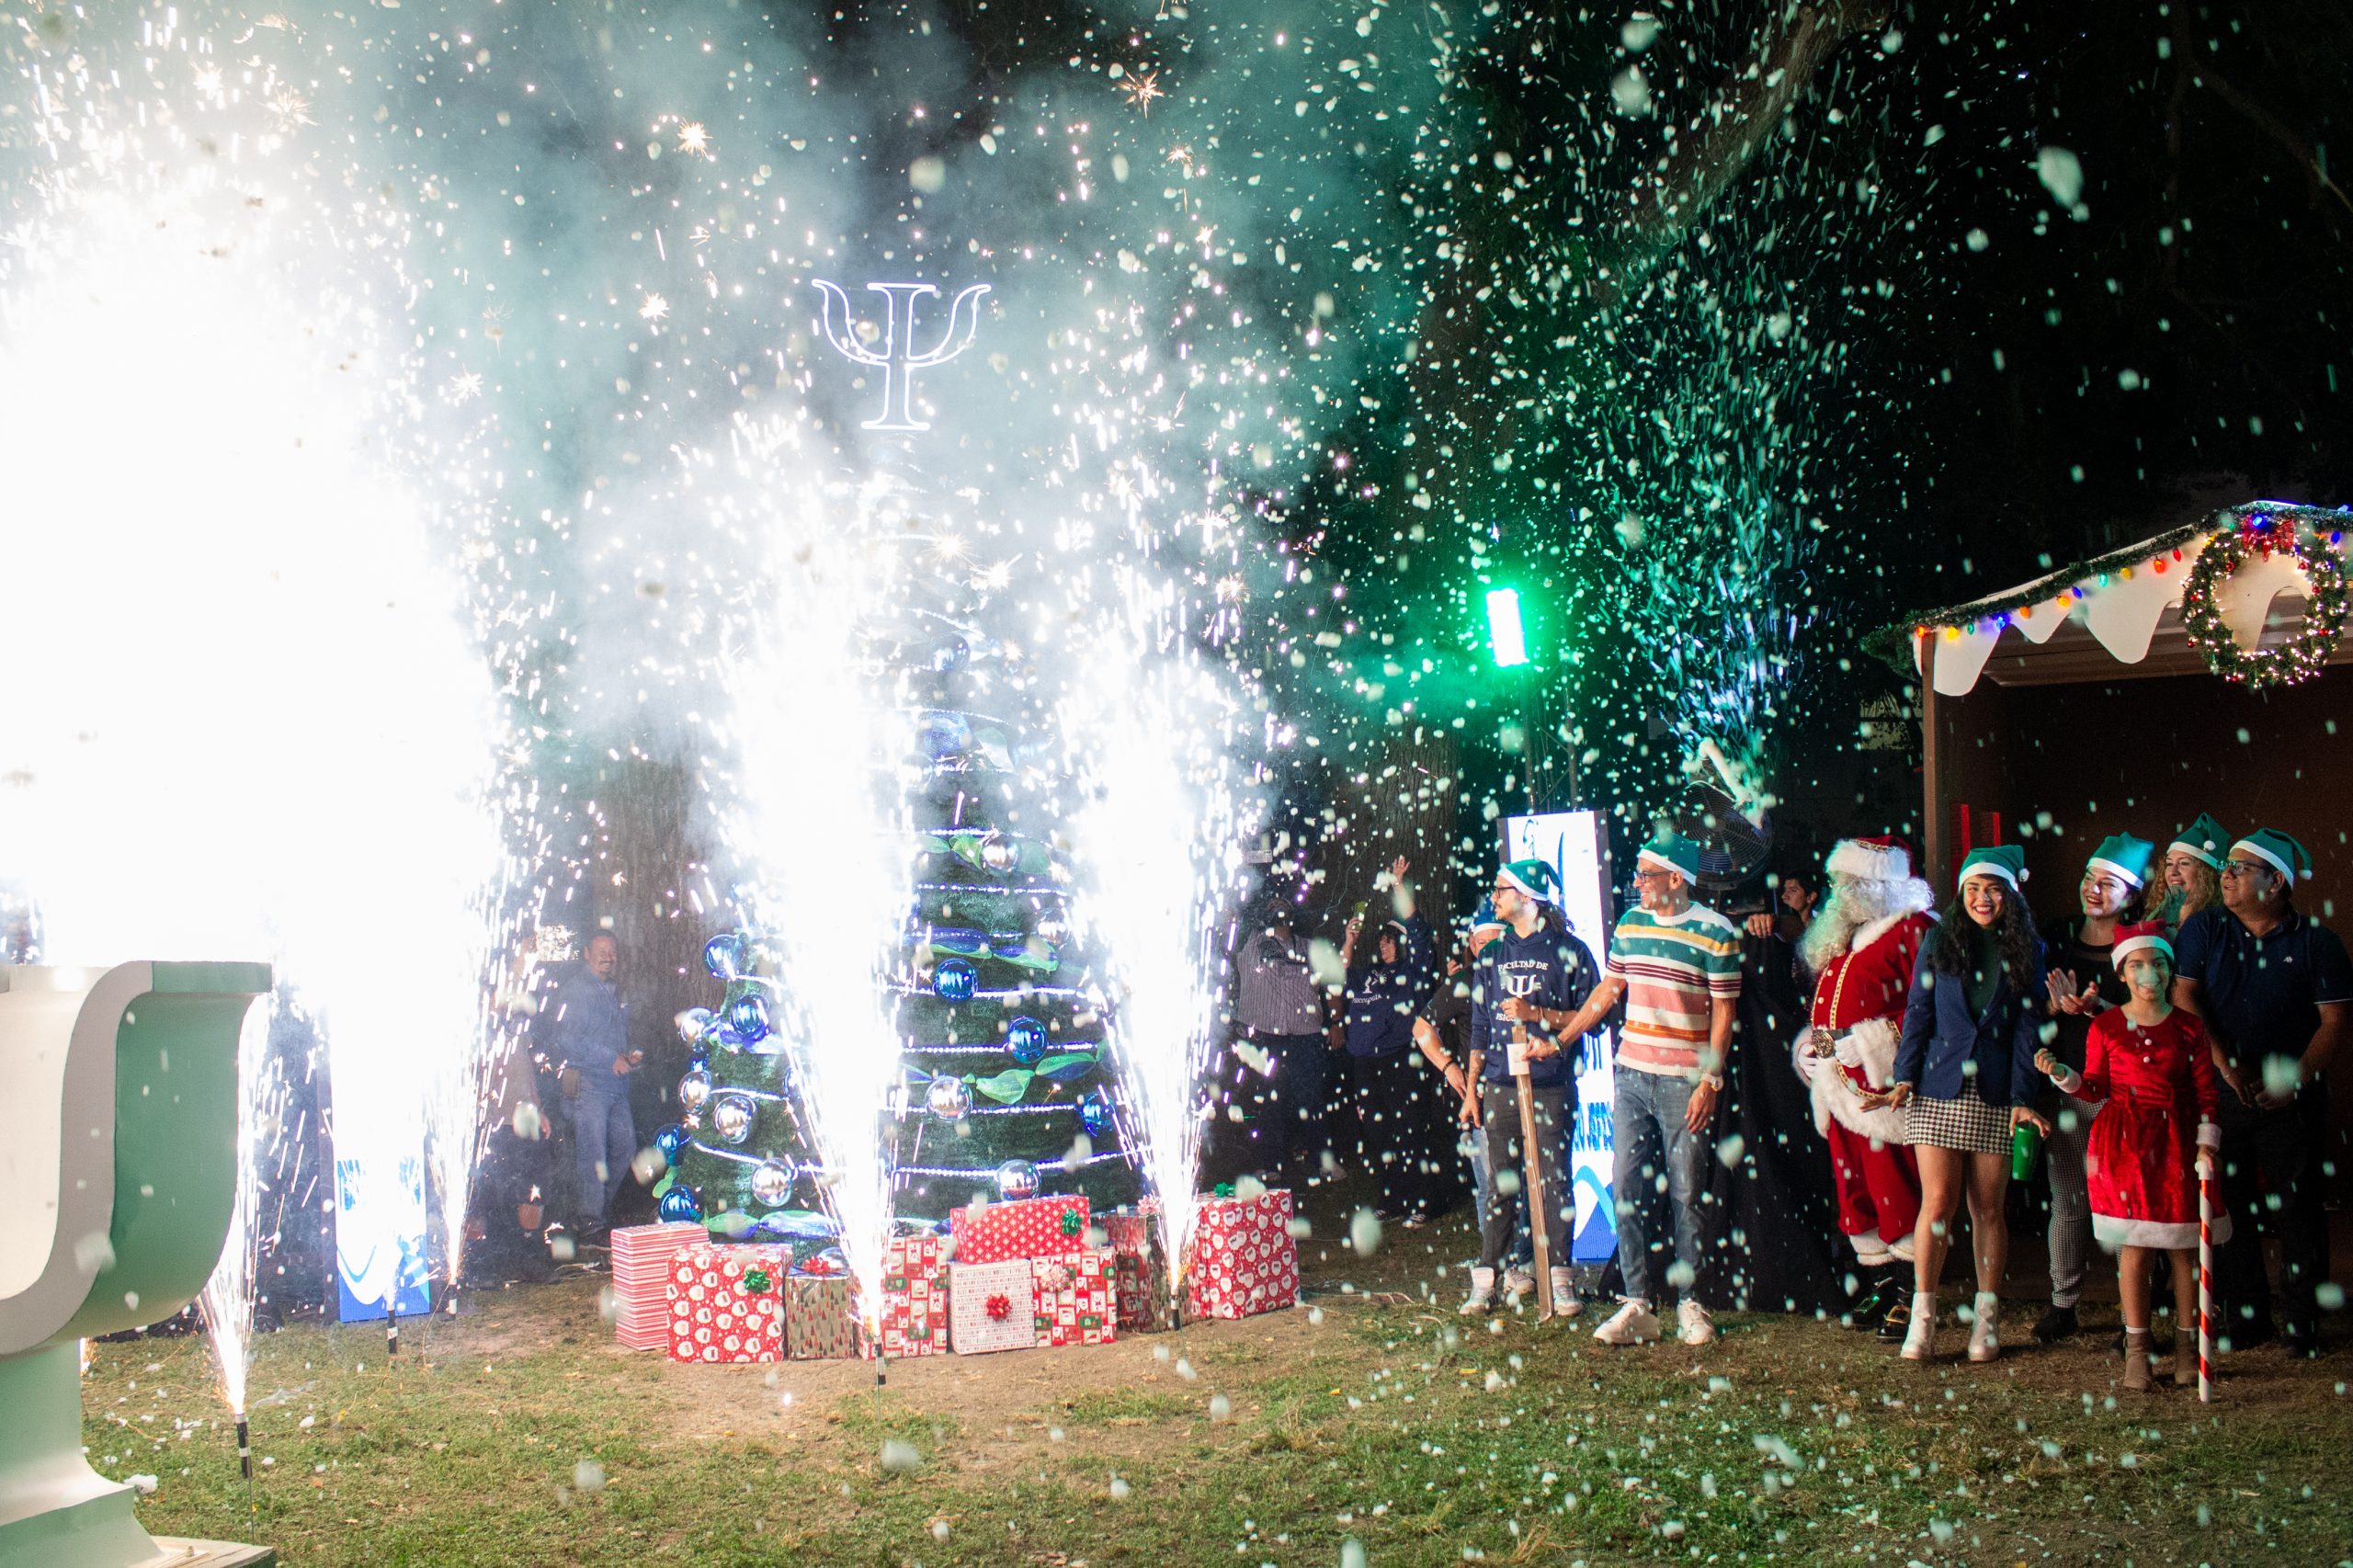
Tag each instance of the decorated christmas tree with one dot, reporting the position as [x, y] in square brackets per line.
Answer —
[1008, 1090]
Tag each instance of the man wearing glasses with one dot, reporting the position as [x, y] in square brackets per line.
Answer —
[1676, 963]
[2276, 991]
[1534, 974]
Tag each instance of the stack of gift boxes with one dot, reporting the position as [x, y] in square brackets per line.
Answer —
[642, 1256]
[1026, 1274]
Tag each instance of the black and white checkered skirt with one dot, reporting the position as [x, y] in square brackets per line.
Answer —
[1968, 1124]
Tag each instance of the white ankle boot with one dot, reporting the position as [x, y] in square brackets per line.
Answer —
[1986, 1333]
[1920, 1343]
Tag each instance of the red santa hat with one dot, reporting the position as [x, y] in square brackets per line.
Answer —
[1870, 860]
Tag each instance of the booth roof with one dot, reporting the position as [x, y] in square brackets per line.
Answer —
[2065, 593]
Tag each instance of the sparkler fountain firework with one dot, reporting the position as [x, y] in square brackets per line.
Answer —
[248, 688]
[820, 829]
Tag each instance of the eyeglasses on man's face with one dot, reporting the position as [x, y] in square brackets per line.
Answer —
[2242, 868]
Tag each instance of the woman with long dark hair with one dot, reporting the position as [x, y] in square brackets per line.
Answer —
[1965, 1078]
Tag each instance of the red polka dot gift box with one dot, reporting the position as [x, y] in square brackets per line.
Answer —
[1032, 1227]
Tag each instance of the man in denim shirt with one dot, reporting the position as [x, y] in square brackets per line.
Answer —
[584, 1028]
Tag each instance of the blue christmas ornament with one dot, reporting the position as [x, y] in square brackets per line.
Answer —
[951, 655]
[1095, 1114]
[695, 1023]
[1027, 1038]
[680, 1206]
[955, 981]
[671, 1141]
[723, 954]
[748, 1016]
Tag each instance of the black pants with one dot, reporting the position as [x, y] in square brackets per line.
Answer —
[1287, 1114]
[1499, 1113]
[2271, 1183]
[1396, 1128]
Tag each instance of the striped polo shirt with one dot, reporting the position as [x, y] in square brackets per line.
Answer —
[1673, 967]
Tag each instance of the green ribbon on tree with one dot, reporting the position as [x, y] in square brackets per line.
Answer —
[1006, 1087]
[1065, 1064]
[668, 1179]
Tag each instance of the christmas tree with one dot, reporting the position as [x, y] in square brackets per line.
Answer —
[1008, 1087]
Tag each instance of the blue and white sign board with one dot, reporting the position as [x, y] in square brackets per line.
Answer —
[1570, 842]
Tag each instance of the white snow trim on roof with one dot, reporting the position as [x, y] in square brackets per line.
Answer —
[2122, 616]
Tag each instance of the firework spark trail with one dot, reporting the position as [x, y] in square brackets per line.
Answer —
[227, 1302]
[1159, 835]
[821, 826]
[253, 724]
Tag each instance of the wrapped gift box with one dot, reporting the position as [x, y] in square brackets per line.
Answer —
[915, 1296]
[1034, 1227]
[1144, 1298]
[642, 1256]
[992, 1306]
[1241, 1260]
[820, 1318]
[726, 1302]
[1072, 1298]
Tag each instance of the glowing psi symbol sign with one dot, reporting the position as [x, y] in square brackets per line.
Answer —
[897, 359]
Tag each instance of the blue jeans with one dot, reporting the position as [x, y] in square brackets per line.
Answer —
[1656, 1155]
[604, 1142]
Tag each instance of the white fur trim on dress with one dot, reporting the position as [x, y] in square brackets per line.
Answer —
[1836, 1098]
[2170, 1236]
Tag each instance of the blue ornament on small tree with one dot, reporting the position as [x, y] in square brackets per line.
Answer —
[1015, 1179]
[748, 1016]
[1095, 1114]
[723, 956]
[955, 981]
[670, 1140]
[680, 1206]
[1028, 1037]
[695, 1023]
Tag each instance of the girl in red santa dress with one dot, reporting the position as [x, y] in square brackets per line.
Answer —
[2147, 1068]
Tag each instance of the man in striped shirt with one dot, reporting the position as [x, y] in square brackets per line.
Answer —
[1676, 965]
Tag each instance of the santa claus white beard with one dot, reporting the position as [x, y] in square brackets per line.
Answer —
[1849, 908]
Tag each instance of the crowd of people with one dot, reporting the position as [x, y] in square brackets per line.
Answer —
[2181, 1014]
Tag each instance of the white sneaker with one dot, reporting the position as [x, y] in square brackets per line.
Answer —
[1482, 1298]
[1986, 1333]
[1565, 1294]
[1693, 1326]
[1633, 1323]
[1517, 1282]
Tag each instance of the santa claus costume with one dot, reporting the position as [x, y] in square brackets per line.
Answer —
[1861, 949]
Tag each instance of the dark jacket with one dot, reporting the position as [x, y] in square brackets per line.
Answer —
[1383, 998]
[1941, 1040]
[1556, 971]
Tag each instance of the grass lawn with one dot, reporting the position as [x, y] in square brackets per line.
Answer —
[519, 1434]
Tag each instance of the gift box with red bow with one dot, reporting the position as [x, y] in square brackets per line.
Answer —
[1072, 1298]
[727, 1302]
[641, 1255]
[1241, 1260]
[1145, 1296]
[1032, 1227]
[915, 1296]
[992, 1306]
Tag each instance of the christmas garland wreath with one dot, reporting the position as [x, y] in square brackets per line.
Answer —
[2301, 656]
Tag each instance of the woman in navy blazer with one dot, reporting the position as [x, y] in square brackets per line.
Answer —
[1964, 1076]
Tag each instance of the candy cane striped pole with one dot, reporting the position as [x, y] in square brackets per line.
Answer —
[2205, 1277]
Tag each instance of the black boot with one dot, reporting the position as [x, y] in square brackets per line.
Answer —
[1883, 1288]
[2055, 1324]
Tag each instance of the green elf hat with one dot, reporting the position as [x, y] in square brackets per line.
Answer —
[1486, 919]
[2124, 856]
[2278, 851]
[2203, 840]
[1533, 878]
[1672, 852]
[2007, 861]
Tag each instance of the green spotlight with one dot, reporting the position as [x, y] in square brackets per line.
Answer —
[1506, 636]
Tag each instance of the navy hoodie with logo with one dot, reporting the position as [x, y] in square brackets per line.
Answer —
[1551, 969]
